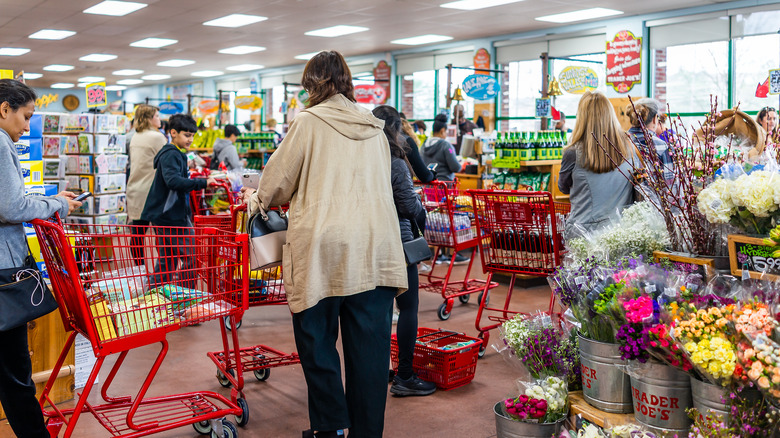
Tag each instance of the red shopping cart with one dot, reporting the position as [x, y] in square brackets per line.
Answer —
[213, 200]
[519, 233]
[449, 224]
[119, 305]
[265, 289]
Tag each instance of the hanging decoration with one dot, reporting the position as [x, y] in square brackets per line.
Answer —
[624, 61]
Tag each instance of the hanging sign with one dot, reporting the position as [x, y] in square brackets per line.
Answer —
[253, 85]
[543, 108]
[251, 103]
[208, 106]
[96, 95]
[774, 81]
[382, 77]
[481, 87]
[578, 80]
[6, 74]
[482, 62]
[372, 94]
[45, 100]
[624, 61]
[171, 108]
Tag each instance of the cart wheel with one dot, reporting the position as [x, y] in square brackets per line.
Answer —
[464, 298]
[243, 419]
[223, 380]
[202, 427]
[262, 374]
[229, 326]
[482, 348]
[487, 299]
[443, 314]
[228, 430]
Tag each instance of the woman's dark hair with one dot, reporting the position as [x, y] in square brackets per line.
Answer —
[326, 75]
[392, 129]
[182, 123]
[439, 123]
[16, 93]
[421, 126]
[760, 118]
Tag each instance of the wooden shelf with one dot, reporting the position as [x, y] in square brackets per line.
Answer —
[593, 415]
[539, 163]
[562, 198]
[201, 149]
[257, 152]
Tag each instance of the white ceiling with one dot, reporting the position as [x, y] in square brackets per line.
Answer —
[282, 34]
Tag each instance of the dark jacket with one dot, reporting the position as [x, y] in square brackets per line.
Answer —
[661, 148]
[407, 204]
[418, 166]
[440, 151]
[168, 203]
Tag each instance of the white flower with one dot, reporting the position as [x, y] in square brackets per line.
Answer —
[756, 192]
[715, 201]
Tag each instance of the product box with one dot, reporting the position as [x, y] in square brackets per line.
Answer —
[54, 168]
[110, 183]
[103, 204]
[116, 163]
[41, 190]
[35, 248]
[79, 164]
[51, 123]
[110, 144]
[29, 149]
[52, 145]
[80, 183]
[36, 127]
[106, 219]
[32, 171]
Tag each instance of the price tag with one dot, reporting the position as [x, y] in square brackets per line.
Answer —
[543, 108]
[650, 288]
[579, 281]
[96, 95]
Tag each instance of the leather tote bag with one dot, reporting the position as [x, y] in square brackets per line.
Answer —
[416, 250]
[24, 295]
[267, 236]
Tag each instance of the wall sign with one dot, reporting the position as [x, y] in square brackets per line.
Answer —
[371, 94]
[251, 102]
[774, 81]
[481, 87]
[751, 253]
[482, 62]
[543, 108]
[171, 108]
[624, 61]
[96, 95]
[382, 77]
[578, 80]
[208, 106]
[45, 100]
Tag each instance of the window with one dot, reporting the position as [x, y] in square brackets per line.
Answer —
[417, 95]
[755, 56]
[458, 75]
[693, 72]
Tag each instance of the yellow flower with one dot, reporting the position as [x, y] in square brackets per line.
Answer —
[691, 347]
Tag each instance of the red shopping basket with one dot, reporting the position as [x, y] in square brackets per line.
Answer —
[120, 301]
[213, 199]
[446, 358]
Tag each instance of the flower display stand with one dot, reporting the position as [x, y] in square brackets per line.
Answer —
[596, 416]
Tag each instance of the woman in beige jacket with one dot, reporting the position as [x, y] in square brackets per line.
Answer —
[343, 260]
[147, 141]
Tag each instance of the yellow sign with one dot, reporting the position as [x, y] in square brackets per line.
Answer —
[96, 95]
[208, 106]
[578, 80]
[249, 102]
[44, 101]
[6, 74]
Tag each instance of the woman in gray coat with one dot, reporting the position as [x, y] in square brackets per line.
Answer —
[17, 390]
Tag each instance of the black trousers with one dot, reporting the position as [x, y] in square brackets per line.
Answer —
[406, 329]
[174, 245]
[137, 240]
[366, 321]
[17, 391]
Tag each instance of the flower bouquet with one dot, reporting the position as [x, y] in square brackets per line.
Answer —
[544, 401]
[702, 335]
[749, 417]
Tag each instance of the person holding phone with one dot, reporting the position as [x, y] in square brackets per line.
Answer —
[17, 390]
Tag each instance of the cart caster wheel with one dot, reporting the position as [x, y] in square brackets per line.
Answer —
[243, 419]
[464, 298]
[230, 326]
[487, 299]
[263, 374]
[443, 314]
[202, 427]
[228, 430]
[483, 347]
[223, 380]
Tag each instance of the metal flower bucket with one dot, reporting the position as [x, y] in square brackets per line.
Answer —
[661, 395]
[509, 428]
[712, 400]
[604, 385]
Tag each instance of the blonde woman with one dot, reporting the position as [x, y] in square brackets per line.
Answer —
[147, 141]
[594, 176]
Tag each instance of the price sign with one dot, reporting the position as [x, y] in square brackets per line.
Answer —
[751, 254]
[542, 107]
[774, 81]
[96, 95]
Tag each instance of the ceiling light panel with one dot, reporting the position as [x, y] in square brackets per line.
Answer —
[115, 8]
[235, 20]
[97, 57]
[58, 67]
[91, 79]
[584, 14]
[130, 82]
[32, 75]
[153, 43]
[245, 67]
[336, 31]
[155, 77]
[175, 63]
[13, 51]
[241, 50]
[422, 39]
[116, 88]
[472, 5]
[62, 85]
[52, 34]
[306, 56]
[207, 73]
[127, 72]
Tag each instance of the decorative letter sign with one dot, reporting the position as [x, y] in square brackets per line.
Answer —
[624, 61]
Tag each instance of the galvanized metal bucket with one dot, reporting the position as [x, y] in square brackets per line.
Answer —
[661, 395]
[509, 428]
[604, 385]
[712, 400]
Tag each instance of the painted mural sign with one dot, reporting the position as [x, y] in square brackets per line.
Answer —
[382, 76]
[578, 80]
[624, 61]
[371, 94]
[482, 62]
[481, 87]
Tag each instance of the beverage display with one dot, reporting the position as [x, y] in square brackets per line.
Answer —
[513, 147]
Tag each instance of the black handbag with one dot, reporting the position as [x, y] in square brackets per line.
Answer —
[24, 295]
[267, 237]
[417, 249]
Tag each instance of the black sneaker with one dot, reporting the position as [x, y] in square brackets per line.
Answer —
[461, 260]
[411, 386]
[442, 259]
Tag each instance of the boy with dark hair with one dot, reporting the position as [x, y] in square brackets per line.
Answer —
[168, 203]
[225, 150]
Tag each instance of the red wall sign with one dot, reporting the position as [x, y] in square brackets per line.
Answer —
[482, 62]
[624, 61]
[374, 94]
[382, 76]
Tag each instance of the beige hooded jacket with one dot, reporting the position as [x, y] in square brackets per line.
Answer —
[333, 167]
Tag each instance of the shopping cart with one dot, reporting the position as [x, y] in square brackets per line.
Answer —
[449, 224]
[265, 289]
[519, 233]
[118, 305]
[213, 200]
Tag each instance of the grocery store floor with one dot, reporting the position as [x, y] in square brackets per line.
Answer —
[278, 405]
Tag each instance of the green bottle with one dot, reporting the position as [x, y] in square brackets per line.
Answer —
[498, 146]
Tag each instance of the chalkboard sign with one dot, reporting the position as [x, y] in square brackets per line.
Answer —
[751, 253]
[542, 107]
[688, 263]
[774, 81]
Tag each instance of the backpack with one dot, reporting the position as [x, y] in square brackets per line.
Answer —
[214, 164]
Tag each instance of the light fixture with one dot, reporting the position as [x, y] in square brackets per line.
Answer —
[127, 72]
[51, 34]
[153, 43]
[12, 51]
[97, 57]
[584, 14]
[307, 56]
[155, 77]
[336, 31]
[58, 67]
[114, 8]
[245, 67]
[83, 84]
[32, 75]
[62, 85]
[421, 39]
[235, 20]
[207, 73]
[130, 82]
[175, 63]
[241, 50]
[91, 79]
[471, 5]
[116, 88]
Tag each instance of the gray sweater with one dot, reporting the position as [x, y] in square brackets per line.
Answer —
[226, 152]
[16, 208]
